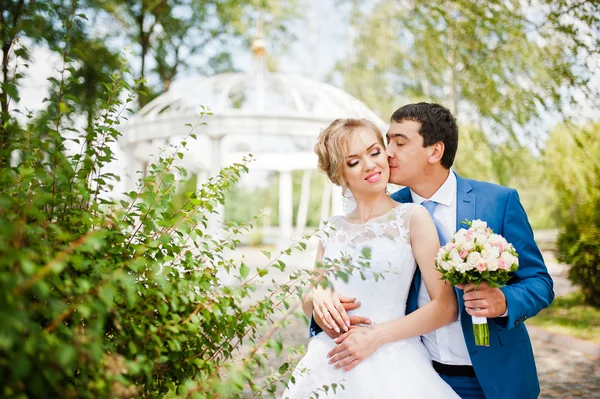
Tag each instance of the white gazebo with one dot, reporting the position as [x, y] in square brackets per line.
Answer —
[275, 116]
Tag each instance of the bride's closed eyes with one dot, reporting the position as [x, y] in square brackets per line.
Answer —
[376, 152]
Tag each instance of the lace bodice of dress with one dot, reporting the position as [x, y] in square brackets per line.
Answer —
[387, 236]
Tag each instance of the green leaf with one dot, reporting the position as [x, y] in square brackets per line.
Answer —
[244, 271]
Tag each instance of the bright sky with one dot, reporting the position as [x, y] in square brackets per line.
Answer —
[322, 41]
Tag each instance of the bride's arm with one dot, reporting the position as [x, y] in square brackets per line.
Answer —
[326, 304]
[359, 343]
[443, 308]
[307, 305]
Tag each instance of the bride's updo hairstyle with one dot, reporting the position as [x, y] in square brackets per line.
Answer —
[332, 143]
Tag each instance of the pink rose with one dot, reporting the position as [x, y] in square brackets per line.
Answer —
[481, 267]
[502, 264]
[499, 245]
[464, 253]
[469, 235]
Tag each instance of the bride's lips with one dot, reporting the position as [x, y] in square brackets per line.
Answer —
[373, 177]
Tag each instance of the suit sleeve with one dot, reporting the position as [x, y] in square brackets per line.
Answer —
[531, 288]
[314, 328]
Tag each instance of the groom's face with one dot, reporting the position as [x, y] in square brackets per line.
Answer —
[407, 157]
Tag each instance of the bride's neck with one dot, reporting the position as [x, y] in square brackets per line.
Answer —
[370, 206]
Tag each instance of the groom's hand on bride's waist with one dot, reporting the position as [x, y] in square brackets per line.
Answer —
[348, 304]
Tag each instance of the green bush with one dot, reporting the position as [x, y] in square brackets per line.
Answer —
[102, 298]
[579, 246]
[573, 166]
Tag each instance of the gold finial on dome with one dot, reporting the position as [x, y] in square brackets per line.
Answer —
[259, 45]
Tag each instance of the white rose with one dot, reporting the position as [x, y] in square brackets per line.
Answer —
[446, 266]
[459, 237]
[468, 245]
[455, 256]
[481, 239]
[461, 267]
[492, 254]
[473, 259]
[508, 258]
[479, 224]
[492, 265]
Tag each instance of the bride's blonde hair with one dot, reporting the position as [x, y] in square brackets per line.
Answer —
[331, 145]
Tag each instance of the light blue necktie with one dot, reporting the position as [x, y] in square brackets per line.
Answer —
[430, 206]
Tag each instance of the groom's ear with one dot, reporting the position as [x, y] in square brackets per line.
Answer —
[437, 152]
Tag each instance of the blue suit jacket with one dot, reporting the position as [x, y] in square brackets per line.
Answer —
[506, 369]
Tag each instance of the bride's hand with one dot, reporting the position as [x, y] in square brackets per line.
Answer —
[327, 305]
[353, 347]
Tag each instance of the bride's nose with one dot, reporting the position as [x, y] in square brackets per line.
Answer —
[369, 164]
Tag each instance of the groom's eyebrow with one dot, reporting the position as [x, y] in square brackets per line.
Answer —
[371, 146]
[396, 135]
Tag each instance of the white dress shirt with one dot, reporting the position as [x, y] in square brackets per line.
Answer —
[446, 344]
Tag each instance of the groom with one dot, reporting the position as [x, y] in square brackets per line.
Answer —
[422, 142]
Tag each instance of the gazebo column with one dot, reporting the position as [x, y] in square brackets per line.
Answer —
[304, 202]
[337, 204]
[286, 207]
[215, 220]
[133, 166]
[326, 201]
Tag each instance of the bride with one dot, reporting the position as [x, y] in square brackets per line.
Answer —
[385, 359]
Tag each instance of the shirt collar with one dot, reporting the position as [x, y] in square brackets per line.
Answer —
[444, 195]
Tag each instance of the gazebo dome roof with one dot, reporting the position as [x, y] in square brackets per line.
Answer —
[245, 103]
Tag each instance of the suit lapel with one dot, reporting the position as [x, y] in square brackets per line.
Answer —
[403, 196]
[465, 202]
[465, 210]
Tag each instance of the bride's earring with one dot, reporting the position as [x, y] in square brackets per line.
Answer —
[345, 201]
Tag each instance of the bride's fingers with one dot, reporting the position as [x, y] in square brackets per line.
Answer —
[344, 362]
[331, 324]
[343, 316]
[323, 314]
[338, 348]
[342, 338]
[336, 317]
[354, 363]
[338, 357]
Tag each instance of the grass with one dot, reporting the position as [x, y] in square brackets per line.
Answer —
[571, 316]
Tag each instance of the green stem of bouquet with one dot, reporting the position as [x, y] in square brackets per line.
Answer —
[482, 334]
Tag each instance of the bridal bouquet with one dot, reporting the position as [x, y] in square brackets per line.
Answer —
[473, 256]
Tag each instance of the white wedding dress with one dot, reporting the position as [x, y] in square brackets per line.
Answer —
[400, 369]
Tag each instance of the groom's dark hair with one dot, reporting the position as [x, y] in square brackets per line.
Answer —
[437, 124]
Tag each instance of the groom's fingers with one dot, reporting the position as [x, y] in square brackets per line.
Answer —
[350, 305]
[479, 313]
[481, 304]
[474, 295]
[346, 299]
[354, 320]
[483, 286]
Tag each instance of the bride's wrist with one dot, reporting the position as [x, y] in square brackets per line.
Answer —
[380, 334]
